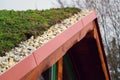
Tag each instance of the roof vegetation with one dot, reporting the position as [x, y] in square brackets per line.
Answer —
[17, 26]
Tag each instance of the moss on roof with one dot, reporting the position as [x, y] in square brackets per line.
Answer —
[17, 26]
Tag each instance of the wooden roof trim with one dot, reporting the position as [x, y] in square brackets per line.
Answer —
[102, 54]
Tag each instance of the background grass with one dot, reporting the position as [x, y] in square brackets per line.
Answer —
[17, 26]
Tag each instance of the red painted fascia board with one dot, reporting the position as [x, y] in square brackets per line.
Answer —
[89, 17]
[20, 69]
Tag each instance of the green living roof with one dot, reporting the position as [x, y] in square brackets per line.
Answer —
[17, 26]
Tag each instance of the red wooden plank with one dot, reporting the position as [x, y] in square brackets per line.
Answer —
[20, 69]
[89, 17]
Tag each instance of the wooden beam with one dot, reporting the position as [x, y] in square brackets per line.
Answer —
[99, 44]
[60, 69]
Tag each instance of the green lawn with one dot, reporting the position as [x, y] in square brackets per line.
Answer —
[17, 26]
